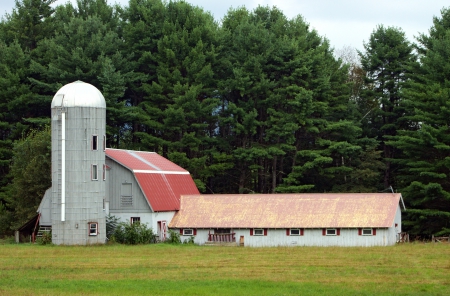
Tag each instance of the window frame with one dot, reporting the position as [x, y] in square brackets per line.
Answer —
[94, 172]
[255, 230]
[90, 228]
[104, 142]
[104, 172]
[331, 234]
[187, 230]
[94, 143]
[295, 234]
[135, 220]
[367, 234]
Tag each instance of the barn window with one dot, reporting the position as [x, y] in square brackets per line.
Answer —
[135, 220]
[104, 172]
[294, 231]
[367, 231]
[188, 231]
[94, 142]
[331, 231]
[104, 143]
[93, 228]
[258, 232]
[126, 197]
[94, 172]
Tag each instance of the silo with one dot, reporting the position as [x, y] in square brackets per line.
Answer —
[78, 164]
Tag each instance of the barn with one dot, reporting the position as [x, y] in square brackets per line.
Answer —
[90, 181]
[268, 220]
[145, 187]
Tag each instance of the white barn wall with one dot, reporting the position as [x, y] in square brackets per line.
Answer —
[311, 237]
[150, 219]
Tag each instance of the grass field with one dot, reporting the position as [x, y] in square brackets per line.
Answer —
[409, 269]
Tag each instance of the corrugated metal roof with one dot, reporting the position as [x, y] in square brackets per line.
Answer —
[346, 210]
[161, 181]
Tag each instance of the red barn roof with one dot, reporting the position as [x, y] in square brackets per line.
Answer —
[162, 182]
[340, 210]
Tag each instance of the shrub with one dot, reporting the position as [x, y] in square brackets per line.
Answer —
[174, 238]
[189, 241]
[133, 234]
[45, 239]
[111, 224]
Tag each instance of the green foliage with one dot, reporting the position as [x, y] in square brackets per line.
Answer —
[30, 172]
[173, 238]
[45, 239]
[386, 61]
[133, 234]
[189, 241]
[424, 166]
[111, 224]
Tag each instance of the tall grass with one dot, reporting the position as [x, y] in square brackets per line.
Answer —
[410, 269]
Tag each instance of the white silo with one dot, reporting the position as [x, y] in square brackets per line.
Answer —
[78, 164]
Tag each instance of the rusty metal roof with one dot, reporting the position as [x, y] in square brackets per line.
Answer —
[340, 210]
[161, 181]
[138, 161]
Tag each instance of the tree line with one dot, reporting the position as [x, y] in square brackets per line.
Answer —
[257, 103]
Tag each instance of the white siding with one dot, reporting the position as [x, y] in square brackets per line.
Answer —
[148, 218]
[311, 237]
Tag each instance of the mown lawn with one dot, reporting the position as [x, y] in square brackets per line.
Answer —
[409, 269]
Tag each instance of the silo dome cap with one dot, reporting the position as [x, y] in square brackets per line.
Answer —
[78, 94]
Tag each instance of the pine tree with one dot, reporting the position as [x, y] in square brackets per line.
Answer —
[425, 138]
[385, 61]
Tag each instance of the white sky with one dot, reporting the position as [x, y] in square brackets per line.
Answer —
[343, 22]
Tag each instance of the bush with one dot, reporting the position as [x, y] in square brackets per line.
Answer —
[45, 239]
[133, 234]
[174, 238]
[189, 241]
[111, 224]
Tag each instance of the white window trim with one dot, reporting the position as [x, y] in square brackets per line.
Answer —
[94, 172]
[258, 234]
[96, 142]
[331, 229]
[138, 219]
[295, 234]
[367, 234]
[188, 231]
[90, 228]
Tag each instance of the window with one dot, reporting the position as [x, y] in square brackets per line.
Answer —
[258, 232]
[94, 173]
[294, 231]
[104, 143]
[126, 198]
[94, 142]
[93, 228]
[104, 172]
[135, 220]
[331, 231]
[188, 232]
[367, 231]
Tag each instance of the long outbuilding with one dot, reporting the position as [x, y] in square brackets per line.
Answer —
[267, 220]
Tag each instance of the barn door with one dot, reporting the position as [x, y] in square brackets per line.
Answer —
[162, 230]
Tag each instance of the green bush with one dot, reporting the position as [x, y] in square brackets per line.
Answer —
[189, 241]
[45, 239]
[133, 234]
[111, 224]
[174, 238]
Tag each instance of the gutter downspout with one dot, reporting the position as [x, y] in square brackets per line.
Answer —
[63, 166]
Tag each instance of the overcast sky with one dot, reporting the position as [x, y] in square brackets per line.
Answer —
[343, 22]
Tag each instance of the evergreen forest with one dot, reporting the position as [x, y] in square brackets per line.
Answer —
[255, 103]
